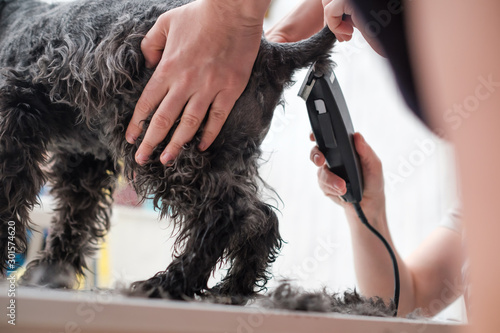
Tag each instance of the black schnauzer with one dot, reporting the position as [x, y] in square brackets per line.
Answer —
[71, 76]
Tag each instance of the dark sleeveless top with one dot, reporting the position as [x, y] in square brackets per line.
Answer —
[385, 19]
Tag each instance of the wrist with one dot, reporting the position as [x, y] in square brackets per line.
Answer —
[245, 13]
[376, 218]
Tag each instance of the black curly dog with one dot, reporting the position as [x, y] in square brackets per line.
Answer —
[71, 76]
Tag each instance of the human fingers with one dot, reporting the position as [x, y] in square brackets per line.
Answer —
[367, 155]
[155, 91]
[317, 156]
[160, 124]
[370, 164]
[335, 11]
[347, 25]
[154, 41]
[217, 115]
[330, 183]
[217, 52]
[191, 119]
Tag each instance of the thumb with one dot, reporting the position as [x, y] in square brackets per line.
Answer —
[370, 163]
[153, 43]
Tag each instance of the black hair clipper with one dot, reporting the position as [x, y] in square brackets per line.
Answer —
[332, 128]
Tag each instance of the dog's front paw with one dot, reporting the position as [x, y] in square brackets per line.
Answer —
[151, 288]
[49, 275]
[222, 293]
[162, 285]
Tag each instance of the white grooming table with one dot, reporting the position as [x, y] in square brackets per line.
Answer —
[44, 311]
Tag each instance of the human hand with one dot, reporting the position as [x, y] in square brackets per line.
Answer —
[301, 23]
[203, 53]
[373, 202]
[341, 18]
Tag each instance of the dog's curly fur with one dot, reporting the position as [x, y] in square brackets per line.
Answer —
[289, 297]
[71, 76]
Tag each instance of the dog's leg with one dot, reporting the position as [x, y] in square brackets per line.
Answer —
[82, 186]
[251, 252]
[24, 134]
[189, 272]
[235, 225]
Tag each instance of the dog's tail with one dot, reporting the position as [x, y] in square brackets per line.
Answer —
[283, 59]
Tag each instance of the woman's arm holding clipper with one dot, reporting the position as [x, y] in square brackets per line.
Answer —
[424, 275]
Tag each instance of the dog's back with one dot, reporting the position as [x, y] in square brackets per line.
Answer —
[86, 55]
[72, 75]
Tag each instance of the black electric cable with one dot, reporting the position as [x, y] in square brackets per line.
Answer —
[397, 287]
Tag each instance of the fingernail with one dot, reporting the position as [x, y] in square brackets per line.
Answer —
[337, 188]
[202, 146]
[130, 138]
[167, 159]
[316, 159]
[141, 158]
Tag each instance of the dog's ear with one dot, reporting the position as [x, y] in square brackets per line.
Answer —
[281, 60]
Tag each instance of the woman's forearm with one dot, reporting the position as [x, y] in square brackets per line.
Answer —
[425, 275]
[373, 265]
[430, 277]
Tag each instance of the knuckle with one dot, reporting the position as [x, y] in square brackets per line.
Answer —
[209, 135]
[161, 22]
[162, 19]
[191, 121]
[175, 145]
[144, 107]
[165, 63]
[133, 129]
[147, 146]
[145, 43]
[185, 79]
[218, 114]
[312, 154]
[161, 121]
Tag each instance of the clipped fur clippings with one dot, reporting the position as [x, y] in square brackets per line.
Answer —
[289, 297]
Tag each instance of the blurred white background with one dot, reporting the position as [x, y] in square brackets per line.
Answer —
[420, 181]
